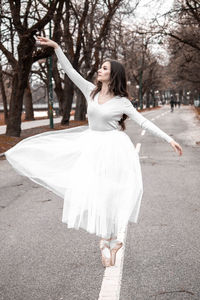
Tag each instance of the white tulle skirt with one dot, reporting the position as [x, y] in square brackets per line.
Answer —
[97, 173]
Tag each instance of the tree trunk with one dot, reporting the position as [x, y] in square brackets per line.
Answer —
[153, 98]
[81, 108]
[60, 96]
[4, 98]
[20, 79]
[28, 103]
[14, 120]
[148, 99]
[67, 101]
[58, 87]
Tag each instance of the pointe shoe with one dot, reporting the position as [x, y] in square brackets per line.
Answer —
[105, 253]
[115, 245]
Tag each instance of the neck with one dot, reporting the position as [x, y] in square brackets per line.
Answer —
[104, 89]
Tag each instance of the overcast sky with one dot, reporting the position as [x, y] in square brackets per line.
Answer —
[148, 9]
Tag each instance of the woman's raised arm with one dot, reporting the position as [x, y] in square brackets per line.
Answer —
[85, 86]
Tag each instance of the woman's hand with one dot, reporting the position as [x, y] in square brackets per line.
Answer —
[176, 147]
[46, 42]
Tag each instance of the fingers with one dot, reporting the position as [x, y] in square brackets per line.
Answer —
[40, 37]
[180, 149]
[43, 39]
[177, 148]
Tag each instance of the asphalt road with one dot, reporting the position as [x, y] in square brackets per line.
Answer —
[41, 259]
[162, 257]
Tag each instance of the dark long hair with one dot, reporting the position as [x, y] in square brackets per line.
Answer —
[117, 85]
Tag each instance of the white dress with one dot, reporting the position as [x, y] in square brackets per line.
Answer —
[95, 168]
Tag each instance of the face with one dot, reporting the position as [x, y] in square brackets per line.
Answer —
[104, 72]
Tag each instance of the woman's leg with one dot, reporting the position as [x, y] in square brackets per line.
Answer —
[109, 247]
[115, 245]
[105, 252]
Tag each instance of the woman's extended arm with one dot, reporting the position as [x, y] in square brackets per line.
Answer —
[131, 112]
[85, 86]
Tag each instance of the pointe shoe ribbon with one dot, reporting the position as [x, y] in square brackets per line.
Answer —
[115, 245]
[105, 253]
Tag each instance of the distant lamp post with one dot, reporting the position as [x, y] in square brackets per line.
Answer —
[188, 97]
[156, 98]
[177, 96]
[140, 90]
[138, 93]
[128, 86]
[50, 94]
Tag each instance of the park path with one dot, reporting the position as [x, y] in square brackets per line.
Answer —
[162, 256]
[32, 124]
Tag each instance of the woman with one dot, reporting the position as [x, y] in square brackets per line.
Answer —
[95, 168]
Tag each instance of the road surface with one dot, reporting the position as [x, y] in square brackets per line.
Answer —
[43, 260]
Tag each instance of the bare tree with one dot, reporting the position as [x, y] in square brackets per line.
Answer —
[82, 28]
[184, 21]
[182, 28]
[83, 38]
[19, 15]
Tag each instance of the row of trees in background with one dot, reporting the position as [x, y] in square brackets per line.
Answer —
[89, 31]
[184, 46]
[79, 27]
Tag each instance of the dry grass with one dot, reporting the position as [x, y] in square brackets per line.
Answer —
[197, 109]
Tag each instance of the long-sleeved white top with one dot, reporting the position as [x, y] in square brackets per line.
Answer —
[105, 116]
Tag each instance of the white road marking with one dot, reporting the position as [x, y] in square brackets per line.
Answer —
[137, 148]
[111, 284]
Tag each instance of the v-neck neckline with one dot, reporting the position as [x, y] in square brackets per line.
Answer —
[97, 99]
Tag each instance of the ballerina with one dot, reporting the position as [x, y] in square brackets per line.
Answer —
[95, 168]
